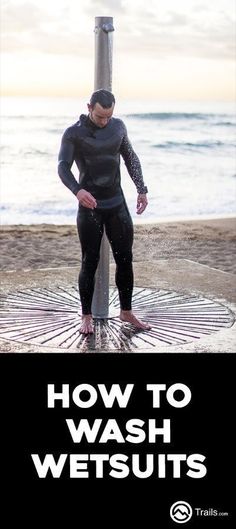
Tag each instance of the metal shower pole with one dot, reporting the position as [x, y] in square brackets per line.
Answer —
[103, 79]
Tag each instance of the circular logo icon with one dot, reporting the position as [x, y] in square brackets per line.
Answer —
[181, 512]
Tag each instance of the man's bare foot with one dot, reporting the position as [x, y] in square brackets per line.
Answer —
[127, 315]
[86, 326]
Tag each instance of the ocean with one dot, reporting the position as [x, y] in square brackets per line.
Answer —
[187, 152]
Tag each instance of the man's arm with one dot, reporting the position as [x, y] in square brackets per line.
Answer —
[133, 164]
[65, 161]
[134, 169]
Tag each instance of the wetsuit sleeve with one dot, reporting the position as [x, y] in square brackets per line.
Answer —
[65, 161]
[132, 163]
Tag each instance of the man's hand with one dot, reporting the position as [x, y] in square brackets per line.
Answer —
[141, 203]
[86, 199]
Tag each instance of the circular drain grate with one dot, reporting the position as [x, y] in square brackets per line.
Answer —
[51, 317]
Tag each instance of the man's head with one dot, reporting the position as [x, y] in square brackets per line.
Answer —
[101, 107]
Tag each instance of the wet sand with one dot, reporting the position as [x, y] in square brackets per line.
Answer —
[210, 242]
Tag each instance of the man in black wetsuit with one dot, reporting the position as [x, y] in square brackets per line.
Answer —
[95, 143]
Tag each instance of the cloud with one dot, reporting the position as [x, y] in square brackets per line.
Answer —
[105, 7]
[17, 18]
[160, 29]
[179, 34]
[28, 27]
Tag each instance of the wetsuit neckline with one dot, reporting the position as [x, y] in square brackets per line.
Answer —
[90, 124]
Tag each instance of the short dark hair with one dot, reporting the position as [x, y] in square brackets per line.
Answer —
[103, 97]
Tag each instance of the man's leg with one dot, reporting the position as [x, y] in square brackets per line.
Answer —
[90, 231]
[119, 229]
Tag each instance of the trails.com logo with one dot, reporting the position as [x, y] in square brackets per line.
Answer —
[181, 512]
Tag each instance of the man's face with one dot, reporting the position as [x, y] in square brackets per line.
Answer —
[99, 115]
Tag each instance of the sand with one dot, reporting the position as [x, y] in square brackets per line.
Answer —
[210, 242]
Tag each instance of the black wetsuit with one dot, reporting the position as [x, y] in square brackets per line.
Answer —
[96, 152]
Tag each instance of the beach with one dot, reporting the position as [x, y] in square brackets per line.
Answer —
[210, 242]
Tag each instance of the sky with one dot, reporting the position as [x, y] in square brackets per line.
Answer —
[162, 49]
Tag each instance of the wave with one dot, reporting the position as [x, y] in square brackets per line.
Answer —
[190, 145]
[225, 124]
[34, 152]
[56, 124]
[37, 117]
[56, 131]
[224, 120]
[170, 115]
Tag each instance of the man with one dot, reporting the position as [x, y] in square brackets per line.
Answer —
[95, 143]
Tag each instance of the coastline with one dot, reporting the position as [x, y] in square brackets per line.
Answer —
[167, 220]
[209, 241]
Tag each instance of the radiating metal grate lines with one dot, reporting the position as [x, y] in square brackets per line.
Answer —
[51, 317]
